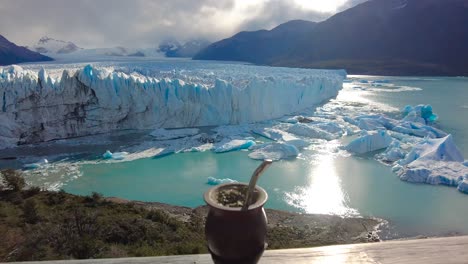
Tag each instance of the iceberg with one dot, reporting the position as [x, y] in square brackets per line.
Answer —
[442, 149]
[419, 113]
[433, 172]
[327, 131]
[165, 134]
[37, 107]
[274, 134]
[369, 141]
[32, 166]
[392, 153]
[115, 155]
[234, 144]
[434, 161]
[274, 151]
[463, 186]
[214, 181]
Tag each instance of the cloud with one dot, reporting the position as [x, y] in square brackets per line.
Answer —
[142, 23]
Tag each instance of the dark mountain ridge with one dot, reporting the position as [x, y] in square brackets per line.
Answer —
[10, 53]
[383, 37]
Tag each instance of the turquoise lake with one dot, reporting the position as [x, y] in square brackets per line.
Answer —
[313, 183]
[322, 180]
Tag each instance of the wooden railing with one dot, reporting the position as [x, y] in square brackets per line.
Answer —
[447, 250]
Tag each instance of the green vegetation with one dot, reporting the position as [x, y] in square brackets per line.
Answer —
[37, 224]
[42, 225]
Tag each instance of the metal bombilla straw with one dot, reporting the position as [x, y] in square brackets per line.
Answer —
[253, 181]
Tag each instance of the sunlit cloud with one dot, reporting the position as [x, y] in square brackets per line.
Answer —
[144, 23]
[321, 5]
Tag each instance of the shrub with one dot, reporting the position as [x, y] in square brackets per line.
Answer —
[34, 190]
[94, 199]
[13, 180]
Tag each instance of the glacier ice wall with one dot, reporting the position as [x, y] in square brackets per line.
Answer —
[36, 107]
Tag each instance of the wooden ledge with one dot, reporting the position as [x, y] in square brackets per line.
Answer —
[448, 250]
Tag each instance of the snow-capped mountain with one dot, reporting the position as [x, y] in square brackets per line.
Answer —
[47, 45]
[173, 48]
[60, 49]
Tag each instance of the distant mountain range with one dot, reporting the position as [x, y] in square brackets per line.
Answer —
[48, 45]
[173, 48]
[66, 49]
[383, 37]
[10, 53]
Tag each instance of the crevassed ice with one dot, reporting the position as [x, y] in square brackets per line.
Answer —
[36, 107]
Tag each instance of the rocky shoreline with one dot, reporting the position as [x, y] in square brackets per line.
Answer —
[287, 229]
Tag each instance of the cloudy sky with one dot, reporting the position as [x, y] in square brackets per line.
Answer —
[144, 23]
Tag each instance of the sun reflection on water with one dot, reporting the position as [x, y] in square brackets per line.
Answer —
[324, 193]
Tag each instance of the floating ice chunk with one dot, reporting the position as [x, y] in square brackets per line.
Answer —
[166, 134]
[374, 122]
[370, 124]
[328, 131]
[234, 144]
[465, 163]
[434, 161]
[370, 141]
[350, 120]
[107, 155]
[433, 172]
[119, 155]
[416, 129]
[32, 166]
[201, 148]
[442, 149]
[214, 181]
[274, 134]
[463, 186]
[115, 155]
[381, 81]
[164, 152]
[274, 151]
[330, 127]
[420, 113]
[392, 153]
[298, 143]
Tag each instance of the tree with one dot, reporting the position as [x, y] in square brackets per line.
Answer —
[13, 180]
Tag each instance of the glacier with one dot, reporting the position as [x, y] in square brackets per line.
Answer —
[37, 107]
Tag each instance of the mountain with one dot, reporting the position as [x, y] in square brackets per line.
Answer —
[262, 46]
[12, 54]
[48, 45]
[172, 48]
[383, 37]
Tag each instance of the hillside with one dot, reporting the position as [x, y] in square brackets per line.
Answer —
[10, 53]
[385, 37]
